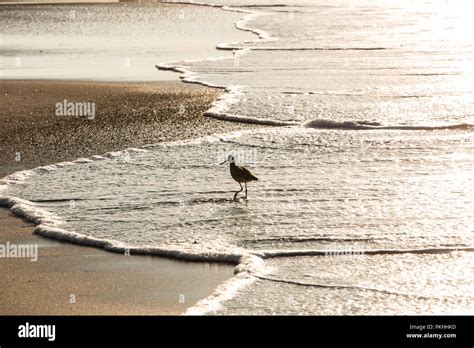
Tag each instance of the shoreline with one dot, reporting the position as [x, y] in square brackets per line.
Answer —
[100, 282]
[127, 115]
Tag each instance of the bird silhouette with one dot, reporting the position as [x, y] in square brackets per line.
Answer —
[239, 174]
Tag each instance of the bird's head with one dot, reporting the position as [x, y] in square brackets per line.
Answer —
[230, 159]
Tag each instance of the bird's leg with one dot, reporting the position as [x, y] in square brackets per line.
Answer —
[241, 188]
[245, 190]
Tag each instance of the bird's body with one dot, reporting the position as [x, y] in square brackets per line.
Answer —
[240, 174]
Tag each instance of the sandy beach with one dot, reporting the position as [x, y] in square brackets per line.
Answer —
[362, 203]
[127, 115]
[71, 279]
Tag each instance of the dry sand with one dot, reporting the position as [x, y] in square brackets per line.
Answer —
[71, 279]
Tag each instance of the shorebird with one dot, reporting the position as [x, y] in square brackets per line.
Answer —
[239, 174]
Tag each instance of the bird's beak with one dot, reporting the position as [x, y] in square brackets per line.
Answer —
[223, 162]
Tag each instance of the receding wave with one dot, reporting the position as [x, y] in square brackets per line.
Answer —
[186, 75]
[306, 239]
[257, 48]
[287, 253]
[330, 124]
[47, 226]
[364, 125]
[337, 286]
[246, 119]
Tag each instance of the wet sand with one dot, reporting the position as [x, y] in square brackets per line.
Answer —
[127, 115]
[72, 279]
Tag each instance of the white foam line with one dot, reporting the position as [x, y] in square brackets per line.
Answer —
[361, 125]
[27, 210]
[47, 224]
[248, 264]
[17, 177]
[197, 3]
[339, 286]
[232, 93]
[206, 139]
[246, 119]
[221, 294]
[232, 96]
[267, 254]
[119, 247]
[304, 48]
[20, 177]
[242, 25]
[188, 76]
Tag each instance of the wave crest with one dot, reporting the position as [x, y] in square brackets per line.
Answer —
[365, 125]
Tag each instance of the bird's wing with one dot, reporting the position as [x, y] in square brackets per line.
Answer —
[246, 174]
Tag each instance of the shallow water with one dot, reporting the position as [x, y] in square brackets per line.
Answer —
[112, 42]
[364, 204]
[353, 199]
